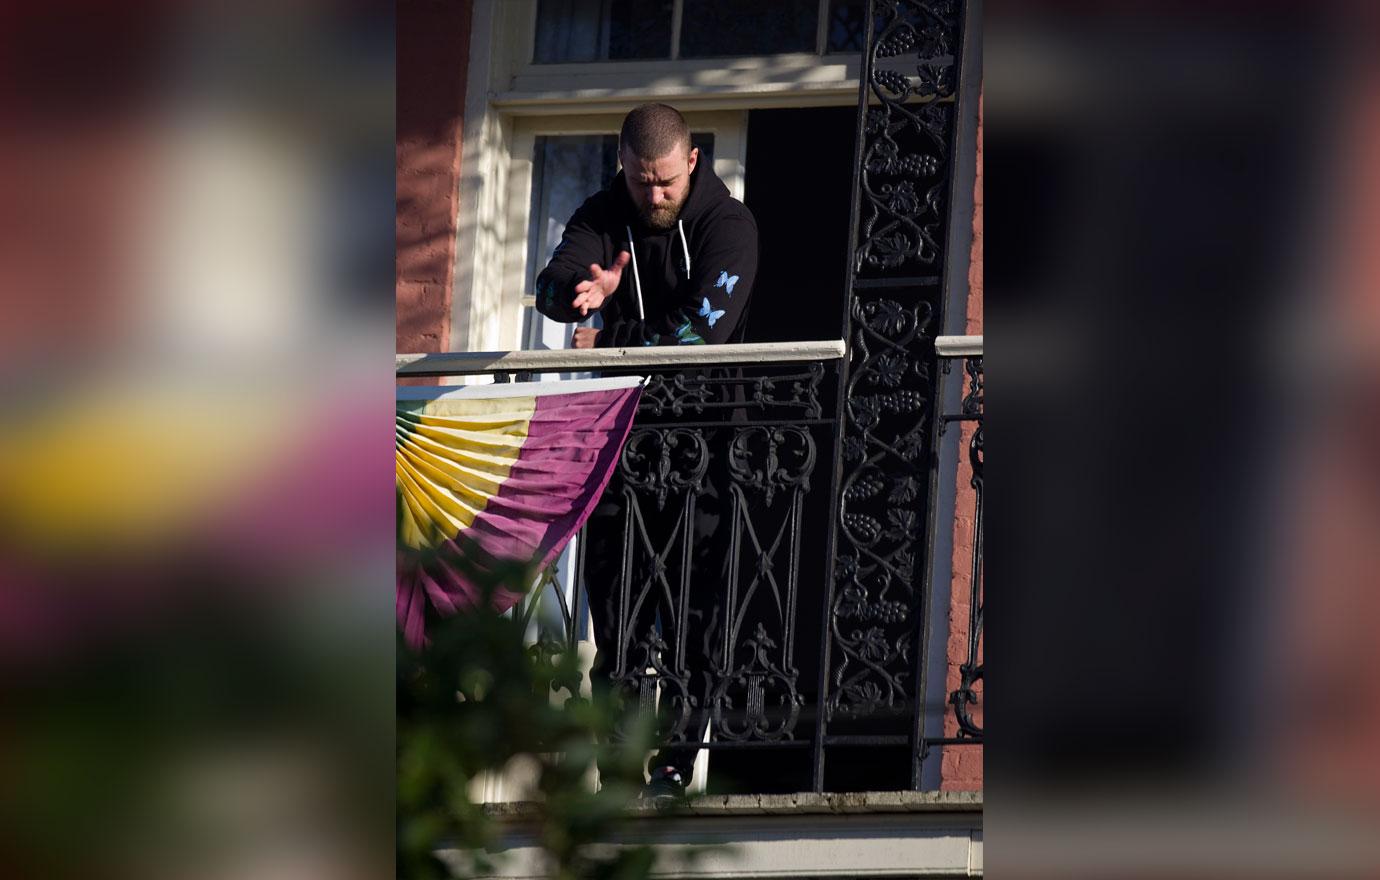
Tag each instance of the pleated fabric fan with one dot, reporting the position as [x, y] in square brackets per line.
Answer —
[490, 475]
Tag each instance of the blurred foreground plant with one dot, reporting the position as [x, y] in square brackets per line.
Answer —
[475, 698]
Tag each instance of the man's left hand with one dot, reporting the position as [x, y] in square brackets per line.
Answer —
[585, 337]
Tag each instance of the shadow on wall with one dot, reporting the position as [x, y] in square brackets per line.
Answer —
[430, 94]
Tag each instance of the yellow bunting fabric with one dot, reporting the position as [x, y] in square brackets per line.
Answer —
[494, 476]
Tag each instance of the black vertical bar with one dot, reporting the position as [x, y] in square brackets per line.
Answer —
[682, 614]
[735, 538]
[682, 611]
[578, 592]
[974, 605]
[836, 478]
[792, 574]
[630, 509]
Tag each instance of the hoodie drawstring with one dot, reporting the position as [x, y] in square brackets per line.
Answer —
[637, 278]
[684, 246]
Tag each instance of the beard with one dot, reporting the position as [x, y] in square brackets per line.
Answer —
[663, 218]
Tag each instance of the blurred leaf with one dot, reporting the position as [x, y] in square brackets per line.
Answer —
[476, 697]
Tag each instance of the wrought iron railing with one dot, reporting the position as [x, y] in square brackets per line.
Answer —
[708, 572]
[966, 698]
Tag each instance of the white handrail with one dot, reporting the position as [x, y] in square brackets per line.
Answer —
[958, 346]
[459, 363]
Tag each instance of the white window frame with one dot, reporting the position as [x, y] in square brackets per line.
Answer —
[509, 101]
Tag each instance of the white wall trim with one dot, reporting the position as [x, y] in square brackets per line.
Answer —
[473, 168]
[930, 844]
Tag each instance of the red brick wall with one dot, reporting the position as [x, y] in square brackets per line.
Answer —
[961, 766]
[433, 38]
[1328, 743]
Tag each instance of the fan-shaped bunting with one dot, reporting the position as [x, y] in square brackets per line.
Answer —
[494, 474]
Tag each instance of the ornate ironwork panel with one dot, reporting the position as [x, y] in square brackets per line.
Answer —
[696, 567]
[911, 69]
[965, 696]
[878, 607]
[658, 464]
[756, 694]
[778, 395]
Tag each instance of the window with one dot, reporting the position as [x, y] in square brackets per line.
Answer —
[563, 73]
[602, 30]
[845, 28]
[747, 27]
[621, 30]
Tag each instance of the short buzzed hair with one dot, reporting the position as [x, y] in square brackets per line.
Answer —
[653, 130]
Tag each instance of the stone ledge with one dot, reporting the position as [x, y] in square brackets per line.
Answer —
[803, 803]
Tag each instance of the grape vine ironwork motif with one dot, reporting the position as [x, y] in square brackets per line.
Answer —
[912, 66]
[877, 613]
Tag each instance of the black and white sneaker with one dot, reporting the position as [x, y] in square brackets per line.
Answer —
[665, 788]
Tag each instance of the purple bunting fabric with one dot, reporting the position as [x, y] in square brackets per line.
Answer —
[496, 475]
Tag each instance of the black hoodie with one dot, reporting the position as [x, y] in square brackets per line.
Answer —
[702, 301]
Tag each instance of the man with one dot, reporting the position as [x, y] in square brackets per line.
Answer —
[666, 257]
[690, 246]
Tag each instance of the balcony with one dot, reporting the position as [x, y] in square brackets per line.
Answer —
[785, 571]
[787, 561]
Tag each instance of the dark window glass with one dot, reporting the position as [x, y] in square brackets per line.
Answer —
[846, 21]
[802, 259]
[602, 30]
[711, 28]
[705, 142]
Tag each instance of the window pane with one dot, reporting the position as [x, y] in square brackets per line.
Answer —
[602, 30]
[705, 141]
[747, 27]
[846, 21]
[566, 170]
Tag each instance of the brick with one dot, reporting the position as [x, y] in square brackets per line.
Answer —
[430, 123]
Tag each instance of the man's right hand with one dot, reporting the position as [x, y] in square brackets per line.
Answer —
[602, 283]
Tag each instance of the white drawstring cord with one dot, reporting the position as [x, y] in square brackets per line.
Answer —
[637, 279]
[684, 246]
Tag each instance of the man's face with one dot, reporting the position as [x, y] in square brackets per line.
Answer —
[659, 187]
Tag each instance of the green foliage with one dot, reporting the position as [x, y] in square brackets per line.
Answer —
[470, 702]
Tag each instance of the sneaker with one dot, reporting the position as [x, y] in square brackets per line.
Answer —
[665, 788]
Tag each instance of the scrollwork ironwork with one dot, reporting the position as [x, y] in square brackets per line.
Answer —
[664, 461]
[759, 698]
[745, 700]
[680, 394]
[658, 688]
[903, 175]
[782, 457]
[972, 401]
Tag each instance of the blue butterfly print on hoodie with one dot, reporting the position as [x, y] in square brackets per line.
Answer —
[727, 281]
[712, 314]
